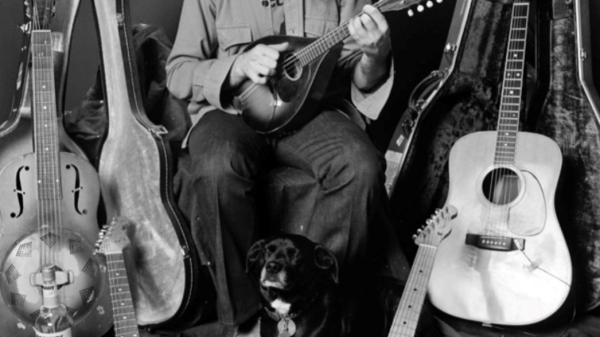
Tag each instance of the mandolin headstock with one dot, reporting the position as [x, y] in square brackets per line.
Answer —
[398, 5]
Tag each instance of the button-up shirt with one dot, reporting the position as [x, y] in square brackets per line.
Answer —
[213, 32]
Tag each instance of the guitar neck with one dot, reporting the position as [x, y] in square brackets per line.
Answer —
[46, 145]
[123, 310]
[512, 85]
[409, 308]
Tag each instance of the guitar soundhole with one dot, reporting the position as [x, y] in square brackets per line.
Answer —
[501, 186]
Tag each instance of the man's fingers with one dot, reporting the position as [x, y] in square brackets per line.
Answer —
[269, 63]
[356, 28]
[368, 23]
[280, 46]
[254, 77]
[377, 17]
[266, 51]
[260, 69]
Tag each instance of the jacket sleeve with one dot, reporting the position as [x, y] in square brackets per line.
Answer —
[193, 70]
[369, 103]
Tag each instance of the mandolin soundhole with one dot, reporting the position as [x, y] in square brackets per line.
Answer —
[291, 68]
[501, 186]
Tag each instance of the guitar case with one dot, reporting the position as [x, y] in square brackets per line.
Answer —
[571, 116]
[459, 98]
[561, 102]
[170, 288]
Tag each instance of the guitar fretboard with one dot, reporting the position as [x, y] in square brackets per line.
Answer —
[120, 294]
[45, 120]
[409, 308]
[45, 138]
[512, 85]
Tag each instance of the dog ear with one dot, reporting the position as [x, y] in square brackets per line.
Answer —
[255, 254]
[325, 259]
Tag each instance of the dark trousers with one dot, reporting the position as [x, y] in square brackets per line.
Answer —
[222, 177]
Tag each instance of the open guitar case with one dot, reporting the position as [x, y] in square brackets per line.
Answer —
[462, 97]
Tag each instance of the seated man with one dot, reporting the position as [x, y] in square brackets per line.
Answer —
[225, 157]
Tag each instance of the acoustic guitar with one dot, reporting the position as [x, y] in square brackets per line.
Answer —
[506, 261]
[48, 208]
[111, 243]
[292, 96]
[428, 238]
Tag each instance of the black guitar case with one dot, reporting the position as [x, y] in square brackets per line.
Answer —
[571, 117]
[465, 100]
[561, 102]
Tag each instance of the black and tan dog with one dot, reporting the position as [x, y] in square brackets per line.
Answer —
[298, 284]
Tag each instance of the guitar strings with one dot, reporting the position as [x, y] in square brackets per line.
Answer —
[310, 52]
[322, 42]
[413, 296]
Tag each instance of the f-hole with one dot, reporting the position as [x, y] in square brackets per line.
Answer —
[76, 190]
[501, 186]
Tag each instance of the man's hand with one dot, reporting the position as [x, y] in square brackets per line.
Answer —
[371, 32]
[257, 64]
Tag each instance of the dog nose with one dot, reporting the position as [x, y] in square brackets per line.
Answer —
[273, 267]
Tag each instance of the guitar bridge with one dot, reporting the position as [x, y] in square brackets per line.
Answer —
[492, 242]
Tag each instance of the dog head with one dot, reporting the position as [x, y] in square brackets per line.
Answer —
[286, 263]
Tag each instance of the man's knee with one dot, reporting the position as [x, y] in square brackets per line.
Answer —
[226, 160]
[366, 164]
[358, 165]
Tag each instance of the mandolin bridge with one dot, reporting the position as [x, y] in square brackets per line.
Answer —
[492, 242]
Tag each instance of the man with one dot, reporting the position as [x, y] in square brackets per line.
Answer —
[225, 158]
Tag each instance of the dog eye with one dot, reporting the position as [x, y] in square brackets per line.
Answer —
[291, 252]
[271, 248]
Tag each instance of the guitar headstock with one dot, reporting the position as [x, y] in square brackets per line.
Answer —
[40, 12]
[113, 237]
[436, 228]
[398, 5]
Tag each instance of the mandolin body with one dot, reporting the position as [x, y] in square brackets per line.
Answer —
[291, 98]
[514, 287]
[20, 242]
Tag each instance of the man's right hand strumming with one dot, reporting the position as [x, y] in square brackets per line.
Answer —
[256, 64]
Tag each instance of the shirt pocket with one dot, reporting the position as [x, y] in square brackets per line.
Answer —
[233, 39]
[316, 26]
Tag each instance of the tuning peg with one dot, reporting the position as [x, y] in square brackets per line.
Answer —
[410, 13]
[429, 4]
[420, 8]
[439, 1]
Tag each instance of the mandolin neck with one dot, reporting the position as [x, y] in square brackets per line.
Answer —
[322, 45]
[512, 85]
[123, 311]
[409, 308]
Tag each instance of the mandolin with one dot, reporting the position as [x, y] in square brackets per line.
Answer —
[506, 261]
[135, 170]
[48, 209]
[112, 242]
[428, 239]
[292, 96]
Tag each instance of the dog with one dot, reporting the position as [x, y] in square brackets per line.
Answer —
[298, 283]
